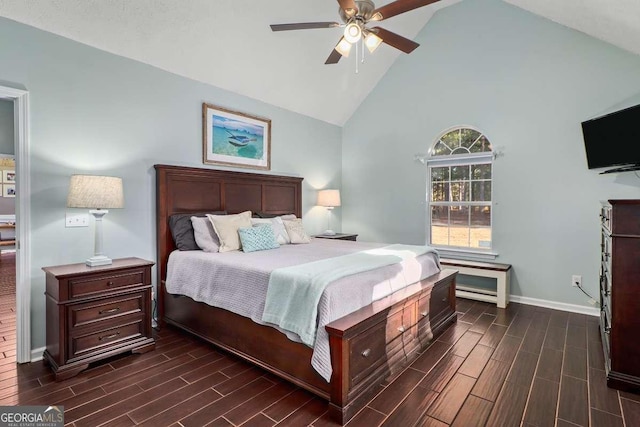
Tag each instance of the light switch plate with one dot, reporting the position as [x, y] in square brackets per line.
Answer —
[77, 220]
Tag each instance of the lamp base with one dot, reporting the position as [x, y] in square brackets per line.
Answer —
[329, 233]
[97, 260]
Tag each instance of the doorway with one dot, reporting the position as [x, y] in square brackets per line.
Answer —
[22, 192]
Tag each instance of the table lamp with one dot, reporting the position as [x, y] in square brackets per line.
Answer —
[329, 199]
[97, 193]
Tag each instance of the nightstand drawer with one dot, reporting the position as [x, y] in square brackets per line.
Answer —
[82, 287]
[99, 311]
[84, 345]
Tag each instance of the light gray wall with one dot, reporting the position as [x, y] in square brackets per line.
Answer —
[94, 112]
[7, 204]
[527, 83]
[6, 127]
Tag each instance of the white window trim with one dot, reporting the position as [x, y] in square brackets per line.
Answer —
[470, 254]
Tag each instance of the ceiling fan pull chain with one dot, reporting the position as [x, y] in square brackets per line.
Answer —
[356, 57]
[362, 48]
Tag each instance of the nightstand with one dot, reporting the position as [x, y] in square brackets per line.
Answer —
[96, 312]
[338, 236]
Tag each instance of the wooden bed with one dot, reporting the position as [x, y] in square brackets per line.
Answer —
[368, 347]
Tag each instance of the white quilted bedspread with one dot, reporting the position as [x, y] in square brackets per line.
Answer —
[238, 282]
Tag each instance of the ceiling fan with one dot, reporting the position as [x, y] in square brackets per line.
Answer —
[355, 15]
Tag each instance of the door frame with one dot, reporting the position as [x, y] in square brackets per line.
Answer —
[20, 99]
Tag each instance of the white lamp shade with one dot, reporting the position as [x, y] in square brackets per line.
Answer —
[329, 198]
[95, 192]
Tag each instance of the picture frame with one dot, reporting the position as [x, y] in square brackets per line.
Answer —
[8, 190]
[232, 138]
[8, 176]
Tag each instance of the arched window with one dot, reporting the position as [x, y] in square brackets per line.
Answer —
[459, 190]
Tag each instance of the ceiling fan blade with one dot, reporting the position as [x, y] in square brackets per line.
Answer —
[398, 7]
[333, 58]
[349, 7]
[303, 26]
[395, 40]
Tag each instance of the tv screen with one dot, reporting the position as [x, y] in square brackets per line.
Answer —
[613, 139]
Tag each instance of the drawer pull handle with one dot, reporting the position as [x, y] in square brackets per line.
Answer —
[424, 313]
[111, 310]
[444, 299]
[108, 337]
[110, 283]
[401, 329]
[366, 353]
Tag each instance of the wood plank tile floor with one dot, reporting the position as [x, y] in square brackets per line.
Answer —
[521, 366]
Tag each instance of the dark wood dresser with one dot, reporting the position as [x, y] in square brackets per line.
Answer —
[620, 292]
[96, 312]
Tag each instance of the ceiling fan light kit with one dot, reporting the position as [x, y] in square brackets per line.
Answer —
[352, 32]
[343, 47]
[355, 15]
[371, 41]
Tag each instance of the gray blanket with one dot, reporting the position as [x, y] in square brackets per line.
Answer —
[238, 282]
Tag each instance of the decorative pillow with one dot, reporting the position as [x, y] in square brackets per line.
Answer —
[258, 238]
[182, 230]
[288, 217]
[226, 228]
[296, 232]
[204, 234]
[278, 228]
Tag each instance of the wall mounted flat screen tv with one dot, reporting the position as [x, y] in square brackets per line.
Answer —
[613, 140]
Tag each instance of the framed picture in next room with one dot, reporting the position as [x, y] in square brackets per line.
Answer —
[233, 138]
[8, 190]
[8, 176]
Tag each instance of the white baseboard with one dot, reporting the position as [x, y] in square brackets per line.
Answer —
[573, 308]
[36, 354]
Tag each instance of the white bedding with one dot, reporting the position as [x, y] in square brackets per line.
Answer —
[238, 282]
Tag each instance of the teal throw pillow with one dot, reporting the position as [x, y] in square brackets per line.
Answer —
[258, 238]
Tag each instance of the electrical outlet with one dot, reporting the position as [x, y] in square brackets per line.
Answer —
[576, 280]
[76, 220]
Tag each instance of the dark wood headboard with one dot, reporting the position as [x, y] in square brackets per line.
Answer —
[183, 190]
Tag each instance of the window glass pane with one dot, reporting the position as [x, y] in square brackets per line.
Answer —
[440, 192]
[440, 174]
[459, 173]
[460, 150]
[459, 191]
[481, 171]
[441, 150]
[481, 191]
[468, 137]
[440, 225]
[452, 139]
[481, 227]
[481, 146]
[459, 229]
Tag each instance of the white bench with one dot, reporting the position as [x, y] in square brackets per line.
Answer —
[500, 272]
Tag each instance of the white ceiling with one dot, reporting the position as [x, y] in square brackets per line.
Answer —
[228, 43]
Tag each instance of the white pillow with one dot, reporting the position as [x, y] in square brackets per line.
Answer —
[278, 228]
[205, 235]
[296, 232]
[226, 228]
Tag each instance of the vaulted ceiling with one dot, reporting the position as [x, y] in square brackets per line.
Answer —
[228, 43]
